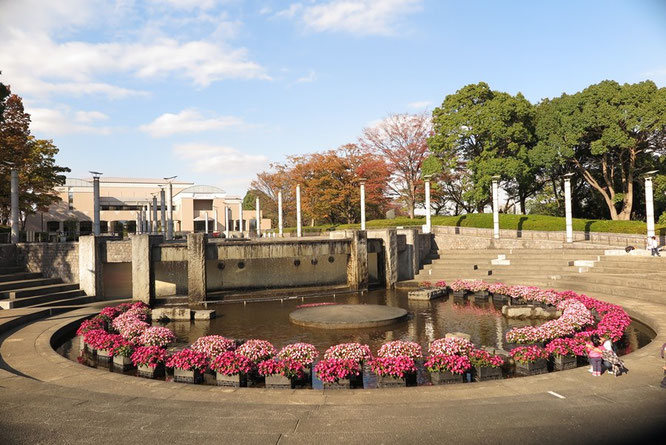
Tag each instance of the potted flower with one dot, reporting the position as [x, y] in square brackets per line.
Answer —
[129, 326]
[188, 366]
[149, 361]
[156, 336]
[91, 324]
[561, 351]
[213, 345]
[102, 342]
[304, 353]
[337, 373]
[500, 291]
[458, 287]
[394, 371]
[281, 374]
[351, 351]
[530, 360]
[401, 348]
[479, 288]
[256, 351]
[231, 369]
[122, 353]
[487, 366]
[445, 369]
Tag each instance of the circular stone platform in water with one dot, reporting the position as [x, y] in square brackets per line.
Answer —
[347, 316]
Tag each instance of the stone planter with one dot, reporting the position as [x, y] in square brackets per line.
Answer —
[396, 382]
[122, 363]
[150, 373]
[231, 381]
[103, 356]
[445, 378]
[278, 381]
[458, 294]
[340, 384]
[483, 373]
[562, 362]
[500, 297]
[481, 295]
[187, 376]
[532, 368]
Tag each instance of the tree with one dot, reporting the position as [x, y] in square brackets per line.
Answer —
[487, 133]
[608, 133]
[33, 158]
[402, 139]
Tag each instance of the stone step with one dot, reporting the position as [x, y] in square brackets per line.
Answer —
[650, 284]
[611, 270]
[635, 261]
[618, 290]
[19, 276]
[22, 284]
[4, 270]
[41, 300]
[38, 290]
[74, 301]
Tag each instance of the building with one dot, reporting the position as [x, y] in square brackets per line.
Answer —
[124, 202]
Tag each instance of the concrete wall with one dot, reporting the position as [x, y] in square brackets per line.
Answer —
[54, 260]
[7, 255]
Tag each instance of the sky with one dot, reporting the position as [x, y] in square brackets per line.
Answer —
[214, 91]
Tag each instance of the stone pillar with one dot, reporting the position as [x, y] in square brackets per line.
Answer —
[389, 239]
[14, 218]
[280, 223]
[153, 229]
[258, 217]
[496, 229]
[205, 222]
[96, 218]
[567, 207]
[90, 266]
[413, 249]
[170, 212]
[149, 223]
[142, 273]
[162, 212]
[196, 268]
[649, 205]
[138, 223]
[299, 225]
[362, 204]
[240, 217]
[215, 220]
[357, 267]
[428, 224]
[226, 221]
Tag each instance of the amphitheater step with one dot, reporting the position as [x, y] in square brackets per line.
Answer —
[32, 282]
[42, 300]
[4, 270]
[38, 290]
[74, 301]
[19, 276]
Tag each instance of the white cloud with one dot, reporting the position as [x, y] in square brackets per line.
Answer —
[419, 105]
[311, 77]
[219, 158]
[188, 121]
[291, 11]
[51, 121]
[189, 4]
[361, 17]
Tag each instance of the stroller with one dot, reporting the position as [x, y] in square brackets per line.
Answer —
[616, 364]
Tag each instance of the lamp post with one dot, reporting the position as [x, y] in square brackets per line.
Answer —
[96, 222]
[169, 181]
[154, 227]
[162, 211]
[299, 228]
[649, 203]
[240, 217]
[428, 224]
[362, 182]
[226, 221]
[258, 217]
[14, 214]
[280, 223]
[567, 207]
[496, 230]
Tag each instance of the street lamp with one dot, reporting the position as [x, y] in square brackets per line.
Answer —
[362, 183]
[649, 203]
[14, 215]
[567, 207]
[428, 225]
[496, 230]
[96, 223]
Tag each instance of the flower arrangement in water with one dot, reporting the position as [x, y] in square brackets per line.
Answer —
[304, 353]
[288, 367]
[257, 350]
[91, 324]
[400, 348]
[231, 363]
[122, 348]
[348, 351]
[151, 356]
[484, 359]
[100, 339]
[129, 326]
[157, 336]
[188, 360]
[426, 284]
[455, 364]
[213, 345]
[393, 366]
[440, 284]
[562, 347]
[528, 354]
[332, 370]
[476, 285]
[458, 285]
[574, 317]
[451, 346]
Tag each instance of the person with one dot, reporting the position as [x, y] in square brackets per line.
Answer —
[612, 363]
[654, 246]
[594, 354]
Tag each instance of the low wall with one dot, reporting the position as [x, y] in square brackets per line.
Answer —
[7, 255]
[53, 260]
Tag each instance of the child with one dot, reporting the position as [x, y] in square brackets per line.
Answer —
[594, 354]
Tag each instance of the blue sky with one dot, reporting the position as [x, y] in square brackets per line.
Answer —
[215, 90]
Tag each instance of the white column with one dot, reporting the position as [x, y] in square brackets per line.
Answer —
[162, 212]
[240, 217]
[14, 219]
[153, 229]
[427, 205]
[567, 206]
[96, 218]
[206, 222]
[280, 213]
[649, 204]
[170, 211]
[149, 221]
[496, 229]
[138, 223]
[362, 204]
[215, 220]
[226, 221]
[258, 217]
[299, 227]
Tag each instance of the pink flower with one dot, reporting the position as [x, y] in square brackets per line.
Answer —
[213, 345]
[303, 353]
[349, 351]
[257, 350]
[150, 356]
[157, 336]
[188, 359]
[334, 369]
[393, 366]
[400, 348]
[230, 363]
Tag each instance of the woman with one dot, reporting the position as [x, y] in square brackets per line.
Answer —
[611, 361]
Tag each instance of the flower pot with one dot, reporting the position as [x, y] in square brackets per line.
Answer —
[278, 381]
[500, 297]
[562, 362]
[445, 378]
[481, 295]
[532, 368]
[483, 373]
[387, 381]
[122, 363]
[150, 373]
[458, 294]
[231, 381]
[340, 384]
[187, 376]
[103, 356]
